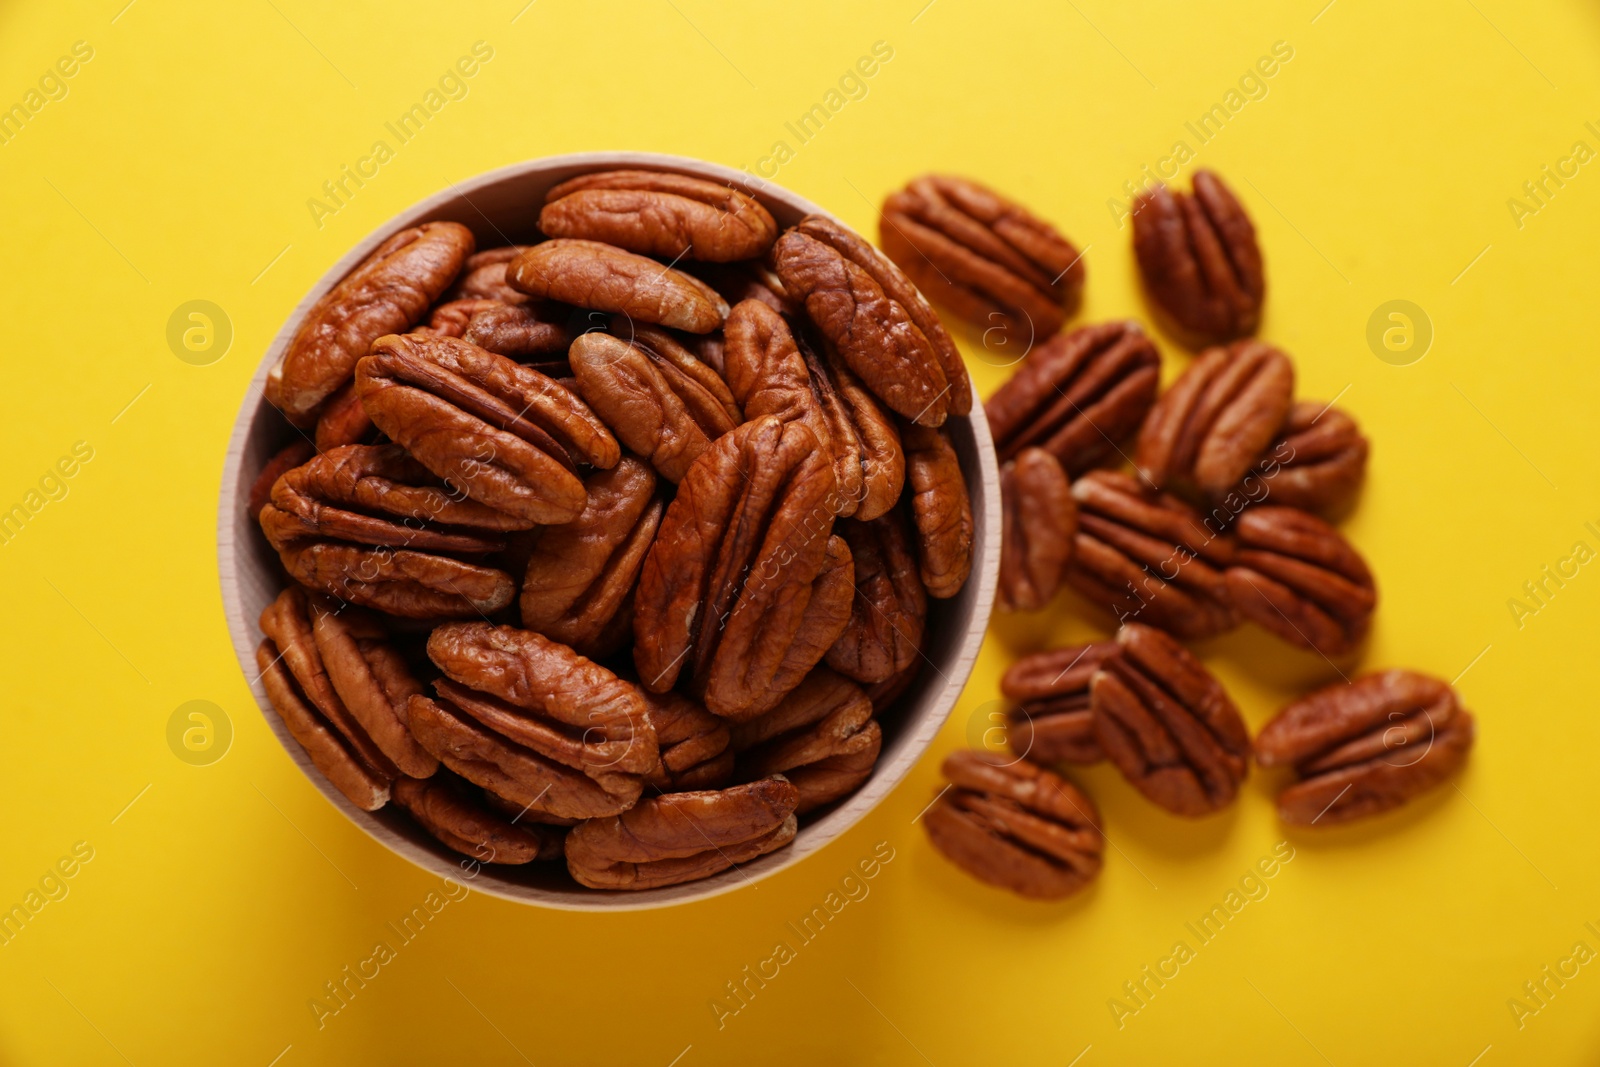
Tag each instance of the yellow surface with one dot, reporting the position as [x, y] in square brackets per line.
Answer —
[1378, 166]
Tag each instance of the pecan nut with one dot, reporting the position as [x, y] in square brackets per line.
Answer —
[693, 745]
[1052, 721]
[821, 737]
[1038, 522]
[602, 277]
[1146, 555]
[521, 331]
[890, 606]
[940, 509]
[1199, 259]
[681, 837]
[373, 680]
[1316, 463]
[1017, 826]
[445, 807]
[655, 213]
[1298, 578]
[1218, 418]
[1365, 747]
[1078, 396]
[1168, 725]
[342, 420]
[483, 276]
[989, 260]
[386, 294]
[505, 434]
[278, 464]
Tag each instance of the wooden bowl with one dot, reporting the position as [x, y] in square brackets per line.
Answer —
[502, 207]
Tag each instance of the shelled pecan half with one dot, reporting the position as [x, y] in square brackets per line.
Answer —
[890, 606]
[1199, 259]
[655, 213]
[1299, 578]
[1052, 721]
[602, 277]
[444, 806]
[821, 737]
[1038, 524]
[693, 744]
[1316, 463]
[483, 275]
[941, 510]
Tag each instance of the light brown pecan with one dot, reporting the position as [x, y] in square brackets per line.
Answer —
[693, 743]
[451, 317]
[1078, 396]
[602, 277]
[1299, 578]
[1199, 259]
[386, 294]
[342, 420]
[399, 581]
[1316, 463]
[890, 606]
[581, 572]
[989, 260]
[505, 434]
[1217, 419]
[681, 837]
[749, 280]
[1015, 825]
[521, 331]
[483, 275]
[1038, 523]
[940, 509]
[1168, 725]
[1364, 747]
[728, 583]
[445, 807]
[534, 722]
[1146, 556]
[1052, 721]
[821, 737]
[372, 679]
[656, 213]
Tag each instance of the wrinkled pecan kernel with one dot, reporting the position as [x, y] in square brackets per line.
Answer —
[1316, 463]
[655, 213]
[1297, 577]
[521, 331]
[602, 277]
[984, 257]
[693, 745]
[681, 837]
[1364, 747]
[483, 276]
[1199, 259]
[1015, 825]
[821, 737]
[1168, 725]
[890, 605]
[1038, 522]
[280, 463]
[445, 807]
[342, 420]
[1078, 396]
[1217, 419]
[940, 509]
[1052, 722]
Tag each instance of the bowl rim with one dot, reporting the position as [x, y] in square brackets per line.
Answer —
[922, 721]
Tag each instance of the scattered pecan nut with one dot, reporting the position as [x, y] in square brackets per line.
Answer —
[940, 509]
[821, 737]
[1168, 725]
[1078, 396]
[890, 605]
[1316, 463]
[655, 213]
[1364, 747]
[446, 808]
[1014, 825]
[602, 277]
[693, 745]
[1199, 259]
[1038, 523]
[1052, 721]
[1297, 577]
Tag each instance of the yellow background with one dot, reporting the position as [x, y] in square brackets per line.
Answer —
[1377, 167]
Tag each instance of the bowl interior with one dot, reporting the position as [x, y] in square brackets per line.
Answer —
[502, 207]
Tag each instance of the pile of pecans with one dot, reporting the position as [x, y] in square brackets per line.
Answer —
[611, 549]
[1223, 518]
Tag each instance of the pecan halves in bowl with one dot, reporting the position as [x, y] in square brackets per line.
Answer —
[387, 293]
[602, 277]
[693, 744]
[681, 837]
[1316, 463]
[507, 435]
[659, 214]
[1038, 523]
[1078, 396]
[1217, 419]
[989, 260]
[821, 737]
[1297, 577]
[483, 276]
[1168, 725]
[1052, 721]
[1199, 259]
[446, 808]
[940, 509]
[1014, 825]
[521, 331]
[1364, 747]
[890, 605]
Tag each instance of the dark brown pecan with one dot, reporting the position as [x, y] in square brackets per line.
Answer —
[890, 605]
[581, 572]
[387, 293]
[1038, 523]
[1078, 396]
[483, 275]
[681, 837]
[1017, 826]
[1168, 725]
[886, 693]
[659, 214]
[663, 402]
[521, 331]
[451, 317]
[445, 807]
[726, 587]
[1217, 419]
[372, 678]
[1052, 722]
[1146, 555]
[821, 737]
[504, 433]
[342, 420]
[534, 722]
[1316, 463]
[693, 743]
[280, 463]
[941, 510]
[1199, 259]
[750, 280]
[602, 277]
[1297, 577]
[984, 257]
[1365, 747]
